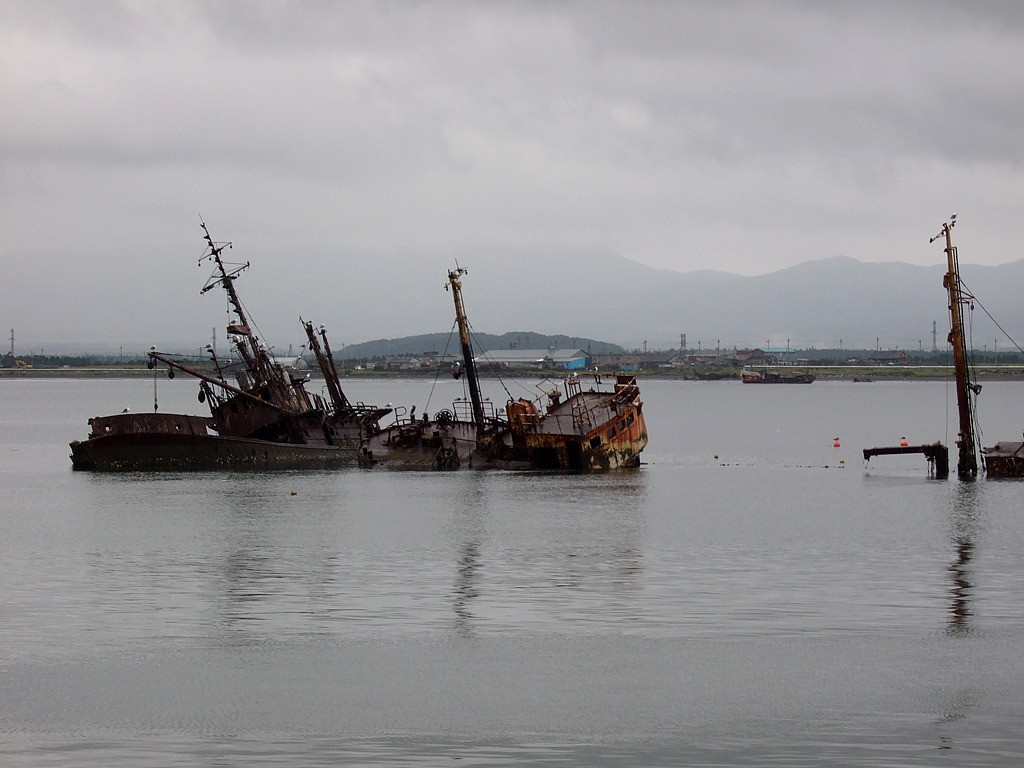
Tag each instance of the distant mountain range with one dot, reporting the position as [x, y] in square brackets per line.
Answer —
[836, 302]
[585, 296]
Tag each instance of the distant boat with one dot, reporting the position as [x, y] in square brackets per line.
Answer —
[773, 376]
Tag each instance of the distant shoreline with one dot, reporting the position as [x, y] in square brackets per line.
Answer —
[824, 373]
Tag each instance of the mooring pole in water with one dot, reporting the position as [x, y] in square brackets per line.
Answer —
[967, 465]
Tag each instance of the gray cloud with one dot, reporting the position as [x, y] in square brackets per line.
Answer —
[741, 136]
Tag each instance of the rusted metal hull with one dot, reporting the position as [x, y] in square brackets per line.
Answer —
[590, 431]
[432, 445]
[575, 454]
[1005, 460]
[146, 453]
[179, 442]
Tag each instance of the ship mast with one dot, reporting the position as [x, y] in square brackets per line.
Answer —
[325, 359]
[967, 464]
[254, 357]
[467, 347]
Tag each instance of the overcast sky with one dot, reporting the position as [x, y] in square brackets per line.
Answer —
[735, 136]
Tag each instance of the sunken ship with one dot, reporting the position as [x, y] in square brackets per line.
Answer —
[261, 416]
[1005, 459]
[572, 428]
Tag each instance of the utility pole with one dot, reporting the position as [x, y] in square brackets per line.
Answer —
[12, 342]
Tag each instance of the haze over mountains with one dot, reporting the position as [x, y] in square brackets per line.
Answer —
[825, 304]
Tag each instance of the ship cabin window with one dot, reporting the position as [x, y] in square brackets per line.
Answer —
[595, 442]
[629, 419]
[611, 432]
[622, 424]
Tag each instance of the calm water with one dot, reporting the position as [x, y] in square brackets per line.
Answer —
[780, 604]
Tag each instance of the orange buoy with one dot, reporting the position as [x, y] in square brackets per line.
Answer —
[836, 443]
[903, 442]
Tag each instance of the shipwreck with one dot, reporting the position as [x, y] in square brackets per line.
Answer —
[1003, 460]
[568, 428]
[260, 415]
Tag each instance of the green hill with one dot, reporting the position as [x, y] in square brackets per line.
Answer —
[440, 343]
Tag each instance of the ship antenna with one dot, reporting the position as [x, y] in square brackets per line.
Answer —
[255, 358]
[222, 276]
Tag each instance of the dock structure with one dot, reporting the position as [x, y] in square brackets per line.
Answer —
[936, 453]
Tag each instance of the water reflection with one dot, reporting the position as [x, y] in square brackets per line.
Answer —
[568, 549]
[960, 588]
[248, 564]
[269, 571]
[579, 558]
[964, 527]
[466, 587]
[468, 531]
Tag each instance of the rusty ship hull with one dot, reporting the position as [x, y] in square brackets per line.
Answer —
[438, 445]
[181, 442]
[590, 430]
